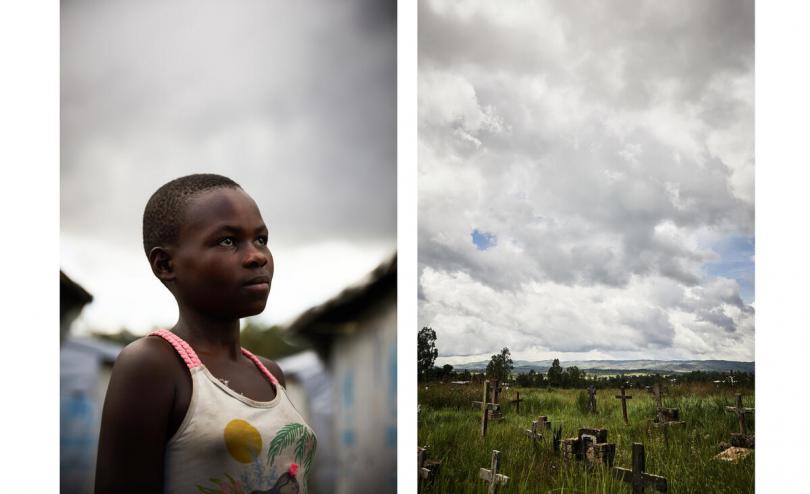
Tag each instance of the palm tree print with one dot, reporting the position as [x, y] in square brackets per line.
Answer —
[298, 435]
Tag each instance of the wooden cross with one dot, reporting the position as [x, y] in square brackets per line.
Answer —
[532, 433]
[592, 398]
[637, 477]
[740, 411]
[517, 401]
[491, 475]
[485, 409]
[624, 399]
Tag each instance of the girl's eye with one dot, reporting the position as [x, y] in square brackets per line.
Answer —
[226, 242]
[262, 240]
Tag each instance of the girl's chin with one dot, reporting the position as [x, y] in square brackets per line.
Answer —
[253, 311]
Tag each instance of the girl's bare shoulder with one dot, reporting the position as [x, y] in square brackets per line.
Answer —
[149, 357]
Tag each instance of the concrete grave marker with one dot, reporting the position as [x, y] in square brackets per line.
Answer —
[590, 446]
[664, 417]
[733, 454]
[491, 475]
[532, 433]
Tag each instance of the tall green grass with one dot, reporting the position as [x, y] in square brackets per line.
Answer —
[450, 425]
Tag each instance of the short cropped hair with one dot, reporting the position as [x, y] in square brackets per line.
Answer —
[165, 209]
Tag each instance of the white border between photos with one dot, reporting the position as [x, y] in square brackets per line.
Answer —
[29, 250]
[406, 244]
[782, 240]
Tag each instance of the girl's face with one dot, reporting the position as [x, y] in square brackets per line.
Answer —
[222, 264]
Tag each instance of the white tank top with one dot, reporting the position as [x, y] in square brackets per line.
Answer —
[230, 444]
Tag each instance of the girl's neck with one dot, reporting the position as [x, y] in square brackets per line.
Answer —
[218, 338]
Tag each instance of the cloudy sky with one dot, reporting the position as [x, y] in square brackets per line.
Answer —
[586, 178]
[296, 101]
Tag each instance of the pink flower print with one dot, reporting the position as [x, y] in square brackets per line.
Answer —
[294, 469]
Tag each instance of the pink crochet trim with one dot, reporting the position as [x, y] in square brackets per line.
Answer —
[261, 366]
[183, 348]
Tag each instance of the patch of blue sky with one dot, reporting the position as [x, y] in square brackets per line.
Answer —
[483, 240]
[737, 262]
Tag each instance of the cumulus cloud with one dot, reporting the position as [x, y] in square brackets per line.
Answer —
[609, 149]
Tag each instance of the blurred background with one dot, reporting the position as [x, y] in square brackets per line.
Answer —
[296, 103]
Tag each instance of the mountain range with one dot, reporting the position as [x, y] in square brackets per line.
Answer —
[627, 366]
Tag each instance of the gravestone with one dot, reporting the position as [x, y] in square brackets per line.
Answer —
[590, 446]
[664, 417]
[544, 422]
[637, 477]
[532, 433]
[592, 398]
[491, 475]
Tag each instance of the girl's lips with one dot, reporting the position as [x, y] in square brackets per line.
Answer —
[258, 287]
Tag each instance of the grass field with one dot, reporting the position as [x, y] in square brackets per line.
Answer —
[450, 425]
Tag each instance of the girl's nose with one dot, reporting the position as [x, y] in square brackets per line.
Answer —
[256, 257]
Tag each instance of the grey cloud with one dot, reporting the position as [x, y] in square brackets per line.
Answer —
[624, 133]
[296, 101]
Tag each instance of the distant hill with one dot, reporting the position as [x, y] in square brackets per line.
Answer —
[610, 366]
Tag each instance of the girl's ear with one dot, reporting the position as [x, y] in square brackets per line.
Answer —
[162, 264]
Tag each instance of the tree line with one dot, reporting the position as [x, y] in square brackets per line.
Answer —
[501, 366]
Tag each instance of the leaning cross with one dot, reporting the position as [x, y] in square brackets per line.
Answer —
[517, 401]
[491, 475]
[624, 399]
[592, 398]
[637, 477]
[532, 433]
[740, 411]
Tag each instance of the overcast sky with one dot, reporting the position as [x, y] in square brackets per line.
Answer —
[296, 101]
[586, 178]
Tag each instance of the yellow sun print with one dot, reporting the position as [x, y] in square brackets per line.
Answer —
[242, 440]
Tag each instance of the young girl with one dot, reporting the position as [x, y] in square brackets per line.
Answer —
[188, 410]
